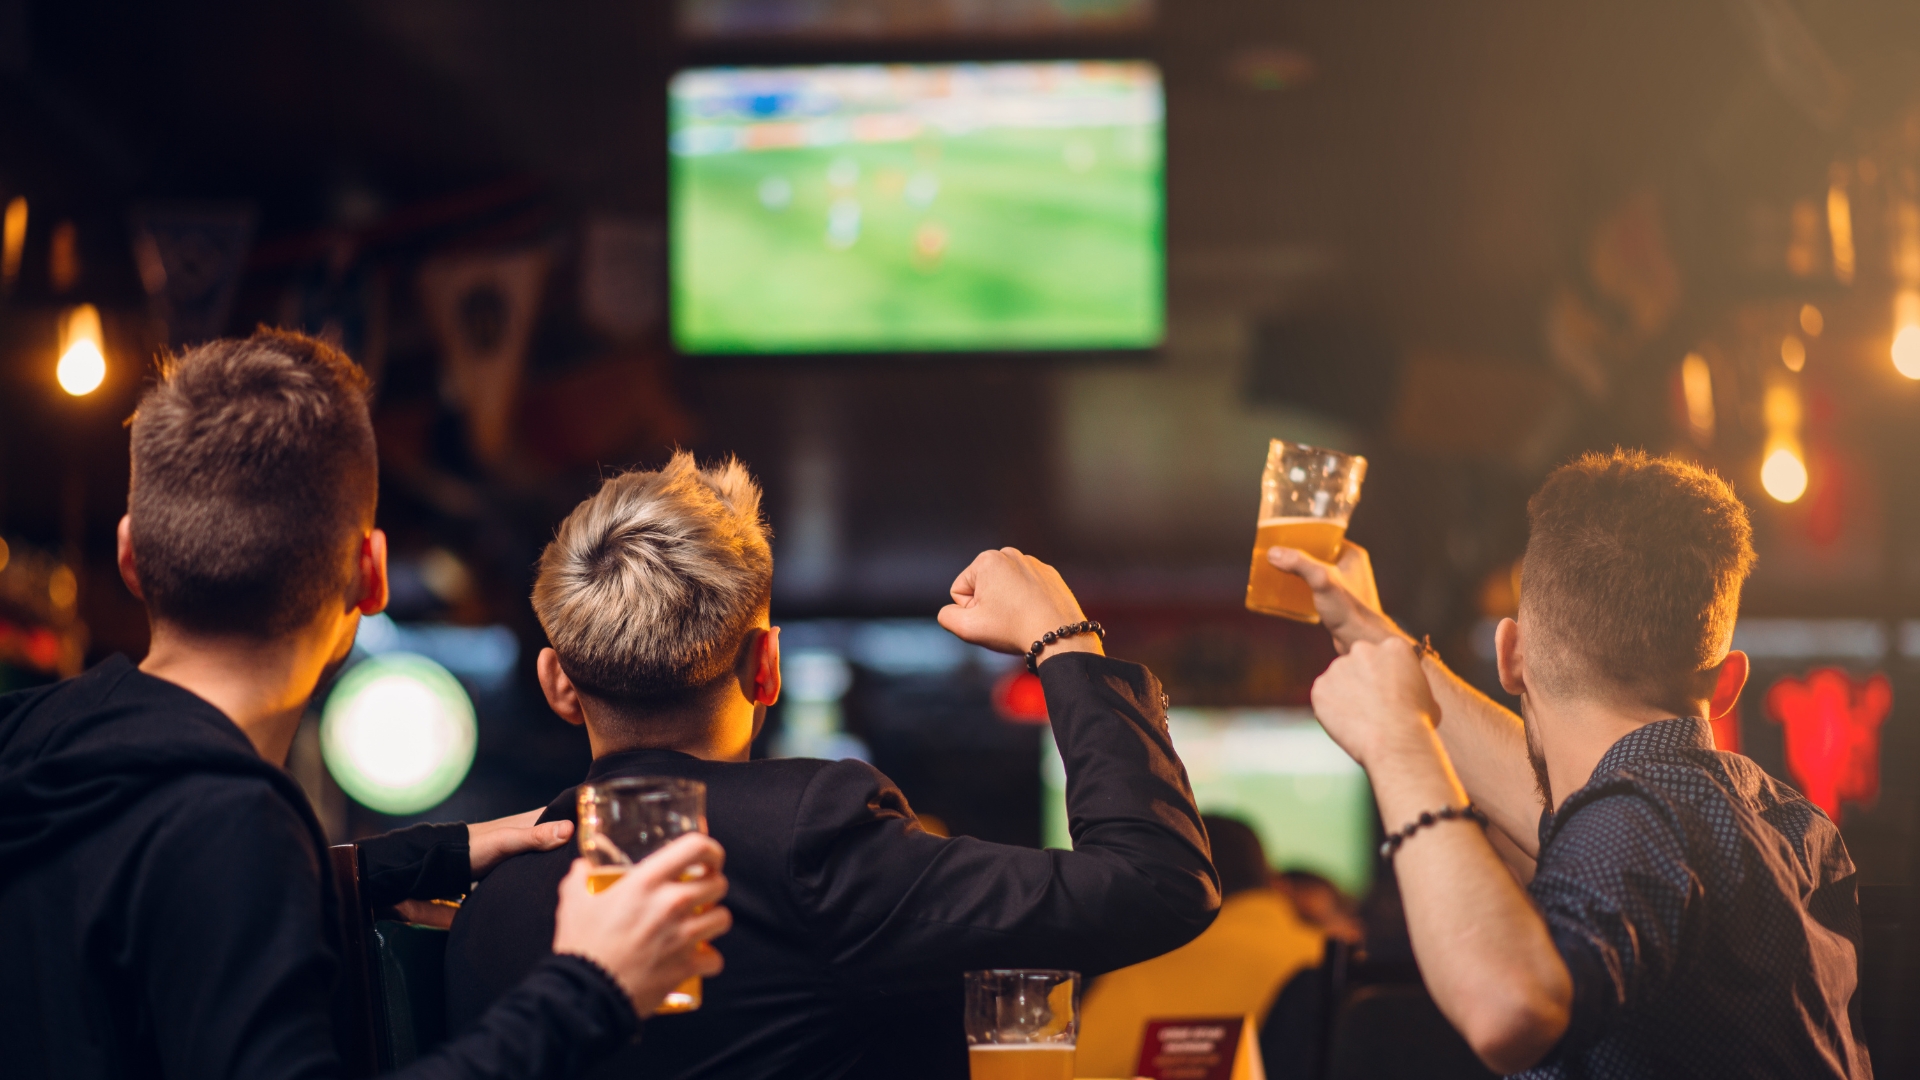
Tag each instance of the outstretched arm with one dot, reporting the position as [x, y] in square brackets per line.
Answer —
[1486, 742]
[1484, 952]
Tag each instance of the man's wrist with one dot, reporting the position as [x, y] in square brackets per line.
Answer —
[1086, 643]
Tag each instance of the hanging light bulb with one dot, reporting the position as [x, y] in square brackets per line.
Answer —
[1906, 333]
[1783, 471]
[1783, 474]
[83, 366]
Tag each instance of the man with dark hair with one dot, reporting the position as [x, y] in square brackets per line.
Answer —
[854, 924]
[1688, 914]
[165, 903]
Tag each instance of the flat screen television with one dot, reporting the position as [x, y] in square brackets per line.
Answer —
[1275, 769]
[916, 208]
[856, 20]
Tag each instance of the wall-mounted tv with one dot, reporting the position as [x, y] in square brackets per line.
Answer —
[917, 208]
[853, 20]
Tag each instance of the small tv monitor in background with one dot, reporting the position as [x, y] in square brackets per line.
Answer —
[1275, 769]
[917, 208]
[893, 20]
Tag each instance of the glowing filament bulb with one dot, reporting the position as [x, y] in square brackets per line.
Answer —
[1783, 474]
[82, 367]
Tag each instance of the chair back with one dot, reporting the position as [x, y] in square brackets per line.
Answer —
[391, 1004]
[1889, 976]
[1389, 1031]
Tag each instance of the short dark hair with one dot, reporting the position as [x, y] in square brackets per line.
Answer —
[254, 471]
[1631, 580]
[1238, 856]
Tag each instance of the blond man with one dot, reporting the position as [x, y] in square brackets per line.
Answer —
[852, 924]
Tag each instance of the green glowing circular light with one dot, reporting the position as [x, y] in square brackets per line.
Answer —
[398, 733]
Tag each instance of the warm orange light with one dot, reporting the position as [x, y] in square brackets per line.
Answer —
[1696, 383]
[1793, 353]
[1906, 333]
[13, 239]
[1906, 352]
[1811, 320]
[83, 364]
[1783, 474]
[1840, 228]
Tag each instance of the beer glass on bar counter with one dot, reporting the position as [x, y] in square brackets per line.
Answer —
[623, 821]
[1306, 496]
[1021, 1025]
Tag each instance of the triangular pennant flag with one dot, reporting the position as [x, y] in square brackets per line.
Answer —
[622, 267]
[191, 257]
[482, 308]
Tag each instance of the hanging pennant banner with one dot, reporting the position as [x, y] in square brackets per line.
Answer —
[191, 257]
[622, 276]
[482, 308]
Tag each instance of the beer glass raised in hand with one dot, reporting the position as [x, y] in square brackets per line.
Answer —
[1021, 1025]
[1306, 496]
[623, 821]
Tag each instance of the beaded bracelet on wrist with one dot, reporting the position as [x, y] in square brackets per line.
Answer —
[1468, 812]
[1084, 626]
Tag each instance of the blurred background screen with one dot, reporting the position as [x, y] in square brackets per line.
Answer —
[855, 20]
[940, 207]
[1274, 769]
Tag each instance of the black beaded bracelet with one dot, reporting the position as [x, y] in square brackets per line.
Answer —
[1084, 626]
[1468, 812]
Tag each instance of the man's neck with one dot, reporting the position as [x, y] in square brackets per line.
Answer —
[1576, 734]
[725, 738]
[262, 686]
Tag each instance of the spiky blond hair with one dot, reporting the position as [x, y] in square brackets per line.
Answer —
[650, 586]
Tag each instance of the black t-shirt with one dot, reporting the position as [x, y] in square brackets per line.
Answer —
[165, 905]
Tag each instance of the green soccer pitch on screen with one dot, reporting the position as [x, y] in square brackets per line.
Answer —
[917, 208]
[1275, 769]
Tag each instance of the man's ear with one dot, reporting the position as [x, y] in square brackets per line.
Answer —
[1726, 690]
[1509, 657]
[562, 698]
[124, 554]
[763, 676]
[372, 580]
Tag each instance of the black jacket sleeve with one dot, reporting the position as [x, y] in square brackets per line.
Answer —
[422, 862]
[889, 899]
[226, 941]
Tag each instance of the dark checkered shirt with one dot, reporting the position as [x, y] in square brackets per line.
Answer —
[1708, 915]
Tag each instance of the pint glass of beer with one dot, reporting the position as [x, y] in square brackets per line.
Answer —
[623, 821]
[1021, 1024]
[1306, 496]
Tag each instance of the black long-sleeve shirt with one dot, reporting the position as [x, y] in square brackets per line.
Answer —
[1708, 915]
[166, 909]
[852, 925]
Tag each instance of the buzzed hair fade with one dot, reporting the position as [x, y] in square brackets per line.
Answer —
[650, 586]
[1631, 581]
[254, 474]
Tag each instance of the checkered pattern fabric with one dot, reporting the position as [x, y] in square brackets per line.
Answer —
[1707, 913]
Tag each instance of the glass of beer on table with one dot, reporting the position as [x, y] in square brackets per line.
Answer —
[623, 821]
[1306, 496]
[1021, 1024]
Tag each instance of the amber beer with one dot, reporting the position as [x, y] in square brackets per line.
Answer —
[1016, 1061]
[1306, 496]
[1273, 591]
[683, 998]
[624, 820]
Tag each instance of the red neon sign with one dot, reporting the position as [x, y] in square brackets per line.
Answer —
[1832, 734]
